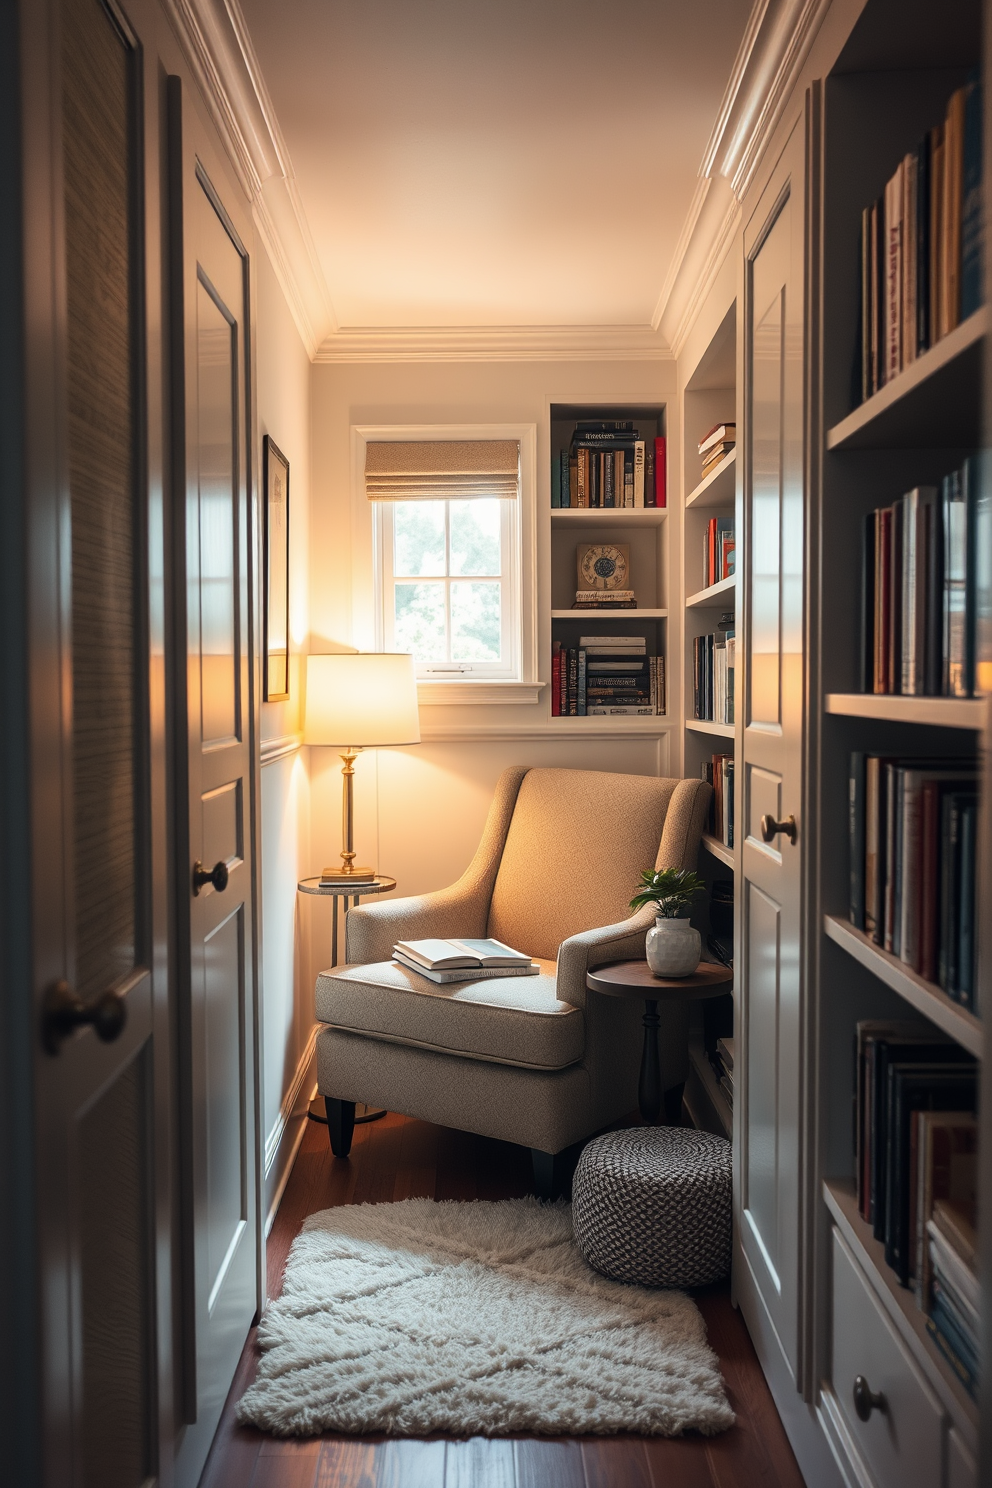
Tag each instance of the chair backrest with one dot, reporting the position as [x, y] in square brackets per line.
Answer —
[576, 846]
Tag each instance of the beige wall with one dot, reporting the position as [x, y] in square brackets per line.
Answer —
[420, 811]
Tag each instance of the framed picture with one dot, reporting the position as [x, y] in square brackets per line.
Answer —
[275, 570]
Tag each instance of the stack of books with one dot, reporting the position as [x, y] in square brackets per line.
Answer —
[462, 960]
[926, 575]
[916, 1147]
[722, 1061]
[718, 550]
[713, 669]
[611, 675]
[921, 245]
[608, 464]
[715, 445]
[719, 773]
[913, 828]
[337, 875]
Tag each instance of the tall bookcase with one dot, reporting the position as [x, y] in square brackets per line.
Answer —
[887, 86]
[642, 529]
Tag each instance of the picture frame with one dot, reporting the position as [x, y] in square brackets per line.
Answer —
[275, 573]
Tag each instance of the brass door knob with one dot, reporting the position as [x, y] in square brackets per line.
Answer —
[865, 1399]
[770, 828]
[217, 875]
[65, 1011]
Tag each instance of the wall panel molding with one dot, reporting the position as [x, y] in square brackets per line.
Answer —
[274, 749]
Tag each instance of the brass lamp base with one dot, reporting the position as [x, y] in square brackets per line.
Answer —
[348, 873]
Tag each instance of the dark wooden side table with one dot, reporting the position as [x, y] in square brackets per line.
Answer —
[636, 979]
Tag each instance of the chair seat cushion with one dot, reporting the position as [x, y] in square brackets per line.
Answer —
[510, 1020]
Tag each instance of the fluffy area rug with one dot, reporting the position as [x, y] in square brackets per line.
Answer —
[473, 1319]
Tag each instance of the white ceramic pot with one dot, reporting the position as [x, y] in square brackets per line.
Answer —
[672, 948]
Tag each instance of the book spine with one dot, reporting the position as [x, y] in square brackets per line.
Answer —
[936, 231]
[867, 679]
[581, 684]
[660, 473]
[907, 314]
[623, 461]
[573, 682]
[582, 476]
[565, 478]
[953, 198]
[893, 275]
[556, 679]
[971, 206]
[966, 912]
[923, 188]
[970, 495]
[608, 467]
[639, 473]
[907, 658]
[555, 482]
[866, 305]
[856, 837]
[649, 481]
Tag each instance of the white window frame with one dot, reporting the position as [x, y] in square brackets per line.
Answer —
[517, 682]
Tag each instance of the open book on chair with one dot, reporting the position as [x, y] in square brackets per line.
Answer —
[462, 960]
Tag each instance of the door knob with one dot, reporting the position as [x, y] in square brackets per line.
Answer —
[770, 828]
[64, 1011]
[865, 1399]
[217, 875]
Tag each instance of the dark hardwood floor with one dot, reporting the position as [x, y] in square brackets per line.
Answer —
[398, 1158]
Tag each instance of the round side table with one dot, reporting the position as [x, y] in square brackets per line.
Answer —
[379, 885]
[636, 979]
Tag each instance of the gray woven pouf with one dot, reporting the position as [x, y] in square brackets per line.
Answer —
[653, 1205]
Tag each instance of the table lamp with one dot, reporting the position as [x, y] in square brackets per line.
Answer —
[359, 700]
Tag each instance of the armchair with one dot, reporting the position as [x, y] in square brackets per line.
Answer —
[539, 1060]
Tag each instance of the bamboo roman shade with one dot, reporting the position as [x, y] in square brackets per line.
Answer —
[436, 470]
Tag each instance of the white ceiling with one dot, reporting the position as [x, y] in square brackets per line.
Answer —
[518, 163]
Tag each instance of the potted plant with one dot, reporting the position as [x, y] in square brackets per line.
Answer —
[672, 945]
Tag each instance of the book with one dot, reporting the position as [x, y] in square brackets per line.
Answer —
[956, 1222]
[610, 710]
[936, 1084]
[451, 955]
[856, 837]
[556, 679]
[961, 1276]
[725, 433]
[972, 237]
[467, 974]
[337, 875]
[638, 487]
[945, 1170]
[649, 480]
[660, 473]
[951, 208]
[893, 273]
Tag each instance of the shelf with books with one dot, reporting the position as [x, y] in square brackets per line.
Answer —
[718, 489]
[926, 997]
[720, 851]
[899, 1302]
[940, 712]
[704, 726]
[934, 402]
[608, 665]
[718, 596]
[706, 1075]
[608, 457]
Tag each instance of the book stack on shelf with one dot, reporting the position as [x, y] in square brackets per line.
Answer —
[921, 245]
[609, 464]
[719, 773]
[926, 577]
[715, 445]
[916, 1143]
[713, 665]
[718, 550]
[606, 676]
[913, 834]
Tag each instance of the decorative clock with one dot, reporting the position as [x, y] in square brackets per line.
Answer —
[603, 566]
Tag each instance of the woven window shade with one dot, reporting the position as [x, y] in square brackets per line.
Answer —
[426, 470]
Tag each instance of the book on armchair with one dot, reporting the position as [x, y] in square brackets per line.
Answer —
[462, 960]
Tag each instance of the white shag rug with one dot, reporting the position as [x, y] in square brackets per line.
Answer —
[473, 1319]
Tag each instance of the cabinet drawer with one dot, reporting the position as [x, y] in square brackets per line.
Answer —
[902, 1443]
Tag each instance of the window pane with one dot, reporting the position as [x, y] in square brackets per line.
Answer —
[475, 627]
[418, 537]
[418, 625]
[475, 527]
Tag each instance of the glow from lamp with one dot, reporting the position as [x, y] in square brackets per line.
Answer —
[359, 700]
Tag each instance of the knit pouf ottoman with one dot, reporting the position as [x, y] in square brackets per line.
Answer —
[653, 1204]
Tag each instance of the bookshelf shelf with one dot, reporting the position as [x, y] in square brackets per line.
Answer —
[715, 597]
[935, 402]
[718, 489]
[958, 713]
[601, 516]
[601, 723]
[949, 1016]
[719, 849]
[711, 1085]
[703, 726]
[587, 616]
[899, 1302]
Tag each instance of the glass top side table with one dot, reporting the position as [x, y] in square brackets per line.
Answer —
[379, 885]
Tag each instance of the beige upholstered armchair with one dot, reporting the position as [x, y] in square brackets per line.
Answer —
[537, 1060]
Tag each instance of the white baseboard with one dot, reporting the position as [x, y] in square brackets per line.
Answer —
[283, 1141]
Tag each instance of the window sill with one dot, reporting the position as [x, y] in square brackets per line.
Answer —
[493, 693]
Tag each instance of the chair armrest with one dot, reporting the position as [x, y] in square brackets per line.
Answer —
[577, 954]
[373, 929]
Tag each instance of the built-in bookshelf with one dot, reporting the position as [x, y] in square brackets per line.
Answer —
[603, 456]
[900, 908]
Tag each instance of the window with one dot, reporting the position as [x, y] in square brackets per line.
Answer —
[448, 575]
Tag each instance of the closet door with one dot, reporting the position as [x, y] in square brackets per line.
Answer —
[216, 704]
[768, 955]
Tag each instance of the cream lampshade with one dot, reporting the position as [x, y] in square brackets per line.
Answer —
[359, 700]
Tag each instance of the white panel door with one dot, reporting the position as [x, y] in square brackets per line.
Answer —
[770, 880]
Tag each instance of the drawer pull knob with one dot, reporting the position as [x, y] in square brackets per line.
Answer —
[865, 1399]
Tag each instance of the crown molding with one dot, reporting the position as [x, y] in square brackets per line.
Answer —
[218, 50]
[495, 344]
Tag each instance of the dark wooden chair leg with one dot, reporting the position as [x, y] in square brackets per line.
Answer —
[340, 1124]
[553, 1172]
[544, 1174]
[673, 1105]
